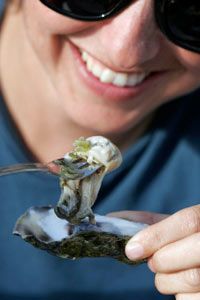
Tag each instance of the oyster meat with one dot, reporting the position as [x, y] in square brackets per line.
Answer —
[43, 229]
[79, 194]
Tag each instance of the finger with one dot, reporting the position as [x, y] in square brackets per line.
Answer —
[178, 283]
[188, 296]
[138, 216]
[174, 228]
[181, 255]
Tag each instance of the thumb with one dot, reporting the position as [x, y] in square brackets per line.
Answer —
[147, 241]
[134, 249]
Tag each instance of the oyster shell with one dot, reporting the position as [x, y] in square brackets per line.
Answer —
[43, 229]
[71, 230]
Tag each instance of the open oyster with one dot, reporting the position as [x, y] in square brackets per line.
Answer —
[71, 230]
[43, 229]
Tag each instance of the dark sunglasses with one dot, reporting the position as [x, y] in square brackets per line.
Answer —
[179, 20]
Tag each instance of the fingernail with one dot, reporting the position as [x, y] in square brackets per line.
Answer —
[134, 250]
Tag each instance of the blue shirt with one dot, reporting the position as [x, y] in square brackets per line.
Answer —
[160, 173]
[1, 5]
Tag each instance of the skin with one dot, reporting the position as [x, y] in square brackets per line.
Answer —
[48, 99]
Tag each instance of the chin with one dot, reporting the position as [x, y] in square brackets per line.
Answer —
[106, 126]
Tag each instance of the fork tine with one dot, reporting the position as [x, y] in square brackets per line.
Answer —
[81, 165]
[89, 171]
[75, 169]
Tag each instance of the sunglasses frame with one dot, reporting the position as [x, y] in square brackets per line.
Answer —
[160, 7]
[118, 7]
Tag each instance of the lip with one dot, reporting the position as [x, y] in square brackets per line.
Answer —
[107, 90]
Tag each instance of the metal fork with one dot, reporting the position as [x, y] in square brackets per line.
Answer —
[67, 169]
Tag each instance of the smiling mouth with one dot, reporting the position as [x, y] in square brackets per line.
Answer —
[106, 75]
[119, 87]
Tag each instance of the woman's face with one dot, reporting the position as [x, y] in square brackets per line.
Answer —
[109, 75]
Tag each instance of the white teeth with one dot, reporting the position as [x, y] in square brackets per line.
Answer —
[106, 75]
[135, 79]
[120, 79]
[96, 70]
[89, 64]
[84, 56]
[132, 80]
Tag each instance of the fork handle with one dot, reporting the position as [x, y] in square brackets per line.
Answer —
[27, 167]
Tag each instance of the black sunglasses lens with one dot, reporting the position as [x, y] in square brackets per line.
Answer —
[183, 21]
[185, 15]
[83, 8]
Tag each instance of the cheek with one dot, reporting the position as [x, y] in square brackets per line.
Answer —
[49, 22]
[45, 30]
[190, 60]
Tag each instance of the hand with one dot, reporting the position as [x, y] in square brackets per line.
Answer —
[173, 248]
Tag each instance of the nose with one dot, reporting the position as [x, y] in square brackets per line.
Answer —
[132, 38]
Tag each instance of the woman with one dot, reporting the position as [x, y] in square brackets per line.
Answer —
[121, 77]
